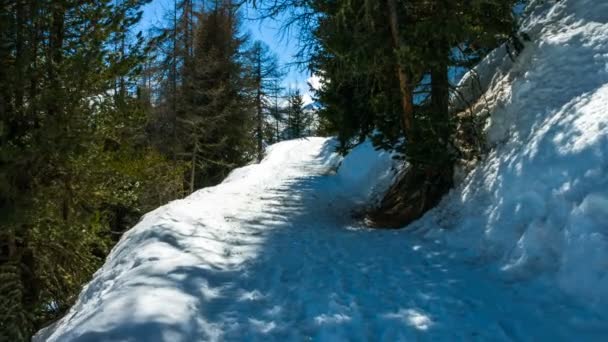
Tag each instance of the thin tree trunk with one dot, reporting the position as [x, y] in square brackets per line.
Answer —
[193, 168]
[55, 53]
[278, 135]
[440, 93]
[404, 79]
[123, 53]
[19, 55]
[33, 59]
[276, 114]
[421, 185]
[174, 79]
[259, 107]
[67, 199]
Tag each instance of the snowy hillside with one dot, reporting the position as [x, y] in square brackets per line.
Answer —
[517, 252]
[273, 254]
[539, 203]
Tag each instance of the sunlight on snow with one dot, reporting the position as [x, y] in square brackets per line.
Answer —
[413, 318]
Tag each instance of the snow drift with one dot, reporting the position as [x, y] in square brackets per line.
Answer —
[538, 204]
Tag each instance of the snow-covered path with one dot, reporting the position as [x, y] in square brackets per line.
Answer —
[273, 254]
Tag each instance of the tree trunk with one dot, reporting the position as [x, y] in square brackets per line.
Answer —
[417, 190]
[440, 93]
[260, 119]
[276, 114]
[174, 81]
[421, 185]
[33, 61]
[20, 60]
[56, 54]
[402, 75]
[193, 167]
[277, 130]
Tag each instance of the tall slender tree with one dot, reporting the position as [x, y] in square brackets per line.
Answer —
[265, 73]
[217, 114]
[299, 121]
[276, 111]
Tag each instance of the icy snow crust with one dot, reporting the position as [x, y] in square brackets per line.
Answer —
[273, 253]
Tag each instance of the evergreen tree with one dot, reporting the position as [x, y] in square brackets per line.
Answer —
[389, 63]
[276, 111]
[75, 168]
[298, 120]
[172, 52]
[217, 112]
[265, 73]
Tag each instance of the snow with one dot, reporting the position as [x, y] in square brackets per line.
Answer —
[274, 254]
[367, 173]
[474, 83]
[537, 207]
[518, 251]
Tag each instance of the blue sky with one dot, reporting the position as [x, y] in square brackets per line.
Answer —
[266, 31]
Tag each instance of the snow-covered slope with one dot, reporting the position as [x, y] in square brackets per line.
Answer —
[518, 252]
[538, 204]
[273, 254]
[203, 268]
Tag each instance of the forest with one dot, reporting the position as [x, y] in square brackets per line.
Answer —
[101, 123]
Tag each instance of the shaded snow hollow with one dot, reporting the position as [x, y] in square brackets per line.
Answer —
[519, 251]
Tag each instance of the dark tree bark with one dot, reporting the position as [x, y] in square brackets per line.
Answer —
[440, 92]
[402, 75]
[259, 109]
[421, 185]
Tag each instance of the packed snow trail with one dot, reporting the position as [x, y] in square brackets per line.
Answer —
[273, 254]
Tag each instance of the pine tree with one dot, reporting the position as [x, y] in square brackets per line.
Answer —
[265, 74]
[392, 60]
[73, 153]
[172, 50]
[298, 120]
[217, 115]
[276, 111]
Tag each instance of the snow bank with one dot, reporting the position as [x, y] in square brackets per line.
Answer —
[366, 173]
[475, 82]
[538, 204]
[159, 280]
[273, 254]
